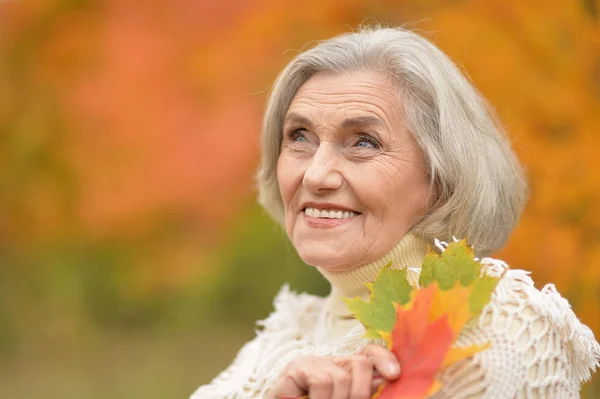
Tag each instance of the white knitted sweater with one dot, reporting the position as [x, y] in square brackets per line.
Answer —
[539, 349]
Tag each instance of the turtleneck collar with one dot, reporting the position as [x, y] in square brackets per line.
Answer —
[409, 252]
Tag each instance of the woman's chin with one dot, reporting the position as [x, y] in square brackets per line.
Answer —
[326, 249]
[329, 260]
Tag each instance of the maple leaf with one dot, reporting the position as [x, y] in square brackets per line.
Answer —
[457, 264]
[422, 340]
[378, 315]
[420, 345]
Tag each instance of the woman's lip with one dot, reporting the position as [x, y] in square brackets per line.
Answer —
[326, 223]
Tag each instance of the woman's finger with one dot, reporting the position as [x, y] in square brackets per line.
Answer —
[342, 381]
[383, 360]
[292, 382]
[351, 377]
[362, 377]
[319, 383]
[365, 379]
[376, 383]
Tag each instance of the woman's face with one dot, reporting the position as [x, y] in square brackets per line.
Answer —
[351, 176]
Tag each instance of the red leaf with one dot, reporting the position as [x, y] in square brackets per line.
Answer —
[420, 346]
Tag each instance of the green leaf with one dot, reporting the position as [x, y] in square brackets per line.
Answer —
[379, 314]
[482, 292]
[426, 276]
[456, 263]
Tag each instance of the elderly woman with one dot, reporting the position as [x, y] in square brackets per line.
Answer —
[373, 145]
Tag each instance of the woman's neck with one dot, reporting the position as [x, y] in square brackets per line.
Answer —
[409, 252]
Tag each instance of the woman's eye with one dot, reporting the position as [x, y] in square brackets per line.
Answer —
[298, 137]
[367, 142]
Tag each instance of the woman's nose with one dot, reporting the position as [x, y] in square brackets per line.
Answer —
[323, 172]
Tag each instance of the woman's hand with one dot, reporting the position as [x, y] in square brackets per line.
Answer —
[328, 377]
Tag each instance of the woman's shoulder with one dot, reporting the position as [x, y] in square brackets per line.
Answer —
[534, 315]
[538, 346]
[292, 311]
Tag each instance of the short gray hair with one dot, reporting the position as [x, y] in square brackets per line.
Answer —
[478, 186]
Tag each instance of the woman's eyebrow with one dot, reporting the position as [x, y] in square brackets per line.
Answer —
[366, 120]
[362, 121]
[293, 117]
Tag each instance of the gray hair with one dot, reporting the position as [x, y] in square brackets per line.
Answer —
[478, 186]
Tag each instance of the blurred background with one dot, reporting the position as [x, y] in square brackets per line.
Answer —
[133, 258]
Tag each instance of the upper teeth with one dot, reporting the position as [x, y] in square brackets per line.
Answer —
[326, 213]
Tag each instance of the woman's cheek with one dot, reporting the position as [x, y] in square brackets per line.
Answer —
[283, 177]
[288, 177]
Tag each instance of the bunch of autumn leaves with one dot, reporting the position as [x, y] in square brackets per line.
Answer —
[421, 325]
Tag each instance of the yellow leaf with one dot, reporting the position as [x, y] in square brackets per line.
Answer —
[457, 354]
[454, 303]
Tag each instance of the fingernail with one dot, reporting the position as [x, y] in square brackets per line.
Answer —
[392, 368]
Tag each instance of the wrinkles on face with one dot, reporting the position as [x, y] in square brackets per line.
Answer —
[345, 143]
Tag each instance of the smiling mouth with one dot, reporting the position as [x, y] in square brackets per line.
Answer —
[329, 213]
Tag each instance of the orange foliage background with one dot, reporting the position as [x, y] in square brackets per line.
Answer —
[129, 140]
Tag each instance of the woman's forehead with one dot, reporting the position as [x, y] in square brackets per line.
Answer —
[358, 98]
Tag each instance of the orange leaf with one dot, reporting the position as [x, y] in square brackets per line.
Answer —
[420, 345]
